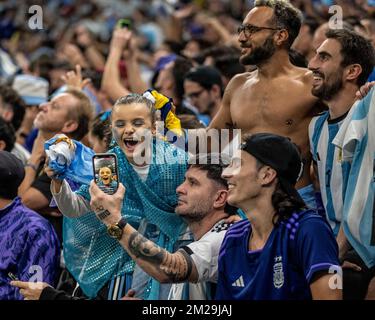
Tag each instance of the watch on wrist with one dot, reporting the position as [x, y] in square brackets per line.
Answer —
[115, 231]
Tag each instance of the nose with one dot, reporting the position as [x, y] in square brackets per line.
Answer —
[43, 106]
[181, 189]
[227, 173]
[129, 129]
[313, 63]
[241, 37]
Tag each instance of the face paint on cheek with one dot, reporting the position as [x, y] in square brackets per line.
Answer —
[116, 135]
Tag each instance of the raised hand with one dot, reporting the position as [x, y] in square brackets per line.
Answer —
[74, 78]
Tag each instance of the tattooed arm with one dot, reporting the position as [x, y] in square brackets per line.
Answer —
[157, 262]
[162, 265]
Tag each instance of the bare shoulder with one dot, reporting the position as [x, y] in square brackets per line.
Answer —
[240, 78]
[304, 75]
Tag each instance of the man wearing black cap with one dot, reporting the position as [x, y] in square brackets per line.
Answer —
[29, 248]
[283, 251]
[203, 88]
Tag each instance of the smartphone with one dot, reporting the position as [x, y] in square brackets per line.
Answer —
[106, 172]
[124, 23]
[12, 276]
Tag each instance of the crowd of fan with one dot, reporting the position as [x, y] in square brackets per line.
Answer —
[66, 78]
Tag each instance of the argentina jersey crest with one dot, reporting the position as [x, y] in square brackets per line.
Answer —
[278, 273]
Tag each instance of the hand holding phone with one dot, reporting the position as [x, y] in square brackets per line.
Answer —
[124, 23]
[106, 172]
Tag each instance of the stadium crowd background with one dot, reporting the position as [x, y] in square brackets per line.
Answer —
[165, 47]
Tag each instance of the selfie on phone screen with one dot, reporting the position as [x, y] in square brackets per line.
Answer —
[105, 167]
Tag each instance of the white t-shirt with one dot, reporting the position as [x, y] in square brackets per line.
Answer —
[205, 253]
[142, 171]
[21, 153]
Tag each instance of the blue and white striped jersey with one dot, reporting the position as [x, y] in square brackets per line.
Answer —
[356, 140]
[322, 131]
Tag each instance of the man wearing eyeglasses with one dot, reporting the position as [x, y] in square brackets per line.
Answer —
[276, 97]
[203, 88]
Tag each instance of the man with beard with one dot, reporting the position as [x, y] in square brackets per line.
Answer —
[69, 113]
[276, 97]
[202, 204]
[341, 65]
[192, 268]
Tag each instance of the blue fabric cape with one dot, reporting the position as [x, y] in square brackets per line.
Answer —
[91, 255]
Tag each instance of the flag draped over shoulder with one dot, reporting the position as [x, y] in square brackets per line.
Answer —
[356, 140]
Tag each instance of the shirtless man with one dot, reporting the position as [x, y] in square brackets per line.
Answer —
[276, 97]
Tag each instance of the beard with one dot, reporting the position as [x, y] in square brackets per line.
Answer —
[194, 213]
[326, 91]
[260, 54]
[45, 125]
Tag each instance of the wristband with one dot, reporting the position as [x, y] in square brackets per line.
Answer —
[33, 166]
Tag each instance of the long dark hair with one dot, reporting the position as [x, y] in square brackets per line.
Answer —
[284, 204]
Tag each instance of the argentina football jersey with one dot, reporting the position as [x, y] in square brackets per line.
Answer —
[331, 170]
[356, 139]
[296, 250]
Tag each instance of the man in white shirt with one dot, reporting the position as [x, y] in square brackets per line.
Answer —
[202, 204]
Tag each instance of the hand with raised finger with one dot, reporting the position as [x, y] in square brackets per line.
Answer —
[74, 78]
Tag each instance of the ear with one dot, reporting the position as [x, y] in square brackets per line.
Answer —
[267, 175]
[7, 115]
[221, 199]
[215, 91]
[282, 37]
[353, 72]
[3, 145]
[69, 126]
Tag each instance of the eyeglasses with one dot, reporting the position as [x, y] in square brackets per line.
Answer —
[249, 29]
[194, 95]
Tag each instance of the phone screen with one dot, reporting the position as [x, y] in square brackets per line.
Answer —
[124, 23]
[106, 172]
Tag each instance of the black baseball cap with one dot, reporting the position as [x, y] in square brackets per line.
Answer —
[12, 173]
[206, 76]
[281, 154]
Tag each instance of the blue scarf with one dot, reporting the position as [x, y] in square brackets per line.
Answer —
[91, 255]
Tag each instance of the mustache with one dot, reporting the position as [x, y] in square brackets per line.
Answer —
[318, 73]
[245, 46]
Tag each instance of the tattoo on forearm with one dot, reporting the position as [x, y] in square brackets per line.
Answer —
[177, 267]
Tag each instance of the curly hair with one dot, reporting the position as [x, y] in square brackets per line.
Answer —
[285, 16]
